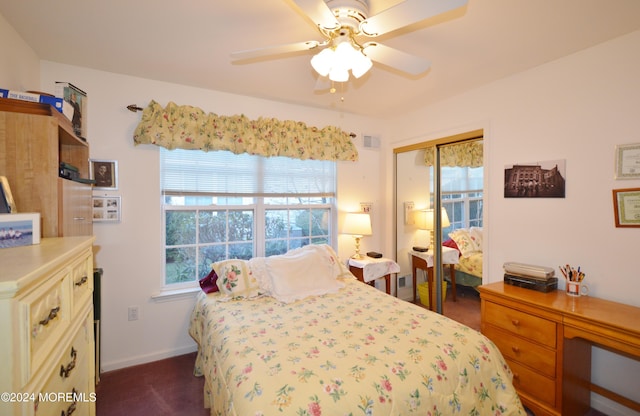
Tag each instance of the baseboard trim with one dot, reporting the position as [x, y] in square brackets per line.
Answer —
[147, 358]
[609, 407]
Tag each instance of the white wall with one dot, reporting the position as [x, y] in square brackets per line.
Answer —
[577, 108]
[19, 66]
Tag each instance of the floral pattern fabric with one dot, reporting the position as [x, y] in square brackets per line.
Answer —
[355, 352]
[460, 154]
[187, 127]
[471, 265]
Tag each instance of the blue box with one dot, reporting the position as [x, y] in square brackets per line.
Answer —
[56, 102]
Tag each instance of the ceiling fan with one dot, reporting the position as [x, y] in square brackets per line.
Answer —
[342, 22]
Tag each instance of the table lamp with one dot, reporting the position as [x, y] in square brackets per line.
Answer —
[358, 224]
[425, 221]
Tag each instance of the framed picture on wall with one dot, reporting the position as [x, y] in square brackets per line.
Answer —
[106, 209]
[628, 161]
[105, 173]
[626, 207]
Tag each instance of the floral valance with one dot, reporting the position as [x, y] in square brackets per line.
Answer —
[460, 154]
[186, 127]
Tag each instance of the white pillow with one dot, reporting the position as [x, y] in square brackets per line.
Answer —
[301, 273]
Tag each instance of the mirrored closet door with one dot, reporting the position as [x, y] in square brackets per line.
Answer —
[439, 200]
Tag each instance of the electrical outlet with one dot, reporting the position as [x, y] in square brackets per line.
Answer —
[134, 313]
[402, 281]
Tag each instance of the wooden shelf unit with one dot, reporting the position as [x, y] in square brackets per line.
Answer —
[34, 140]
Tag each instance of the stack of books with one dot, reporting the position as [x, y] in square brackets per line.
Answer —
[539, 278]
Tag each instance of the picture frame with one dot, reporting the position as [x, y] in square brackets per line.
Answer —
[19, 229]
[106, 208]
[626, 207]
[628, 161]
[104, 173]
[7, 204]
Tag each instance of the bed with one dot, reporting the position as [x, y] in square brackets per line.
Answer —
[468, 242]
[348, 349]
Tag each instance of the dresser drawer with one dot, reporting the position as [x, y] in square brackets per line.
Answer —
[523, 351]
[535, 328]
[47, 313]
[68, 388]
[534, 384]
[82, 281]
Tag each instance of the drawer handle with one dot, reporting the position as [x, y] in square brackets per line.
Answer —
[515, 349]
[516, 377]
[515, 322]
[53, 313]
[72, 406]
[65, 371]
[78, 218]
[82, 281]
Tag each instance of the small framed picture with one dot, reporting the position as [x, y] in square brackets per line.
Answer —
[626, 207]
[628, 161]
[105, 173]
[19, 229]
[106, 209]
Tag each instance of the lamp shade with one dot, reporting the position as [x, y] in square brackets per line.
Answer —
[425, 221]
[357, 223]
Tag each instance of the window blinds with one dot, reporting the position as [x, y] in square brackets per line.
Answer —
[226, 173]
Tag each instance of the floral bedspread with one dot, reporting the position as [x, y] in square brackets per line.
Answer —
[471, 264]
[355, 352]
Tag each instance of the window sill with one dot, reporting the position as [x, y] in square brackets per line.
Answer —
[169, 295]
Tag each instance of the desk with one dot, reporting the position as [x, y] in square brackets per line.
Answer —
[368, 270]
[424, 261]
[546, 338]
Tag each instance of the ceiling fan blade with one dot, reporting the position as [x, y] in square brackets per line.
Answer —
[406, 13]
[318, 11]
[394, 58]
[276, 50]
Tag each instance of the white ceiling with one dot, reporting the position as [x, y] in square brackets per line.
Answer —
[189, 43]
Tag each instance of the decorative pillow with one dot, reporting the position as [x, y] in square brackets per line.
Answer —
[302, 273]
[476, 235]
[452, 244]
[208, 283]
[235, 280]
[464, 242]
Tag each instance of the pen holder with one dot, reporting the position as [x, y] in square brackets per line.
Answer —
[577, 288]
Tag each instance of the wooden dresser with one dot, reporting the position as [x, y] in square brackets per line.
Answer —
[46, 321]
[546, 339]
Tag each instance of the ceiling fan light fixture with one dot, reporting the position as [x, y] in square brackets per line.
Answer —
[339, 74]
[323, 61]
[361, 64]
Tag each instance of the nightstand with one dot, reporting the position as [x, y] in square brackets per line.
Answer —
[424, 261]
[368, 270]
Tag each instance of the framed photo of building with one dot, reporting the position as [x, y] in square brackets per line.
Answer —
[626, 207]
[535, 180]
[105, 173]
[106, 208]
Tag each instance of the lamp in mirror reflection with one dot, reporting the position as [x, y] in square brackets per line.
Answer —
[357, 224]
[425, 221]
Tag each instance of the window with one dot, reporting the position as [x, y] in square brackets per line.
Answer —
[461, 190]
[220, 205]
